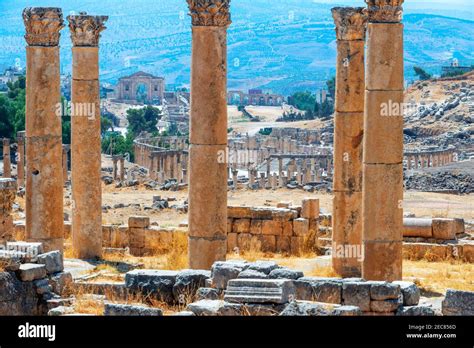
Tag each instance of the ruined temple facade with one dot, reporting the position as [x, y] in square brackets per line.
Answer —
[254, 97]
[140, 88]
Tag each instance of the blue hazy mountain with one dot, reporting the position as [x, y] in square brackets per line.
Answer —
[283, 45]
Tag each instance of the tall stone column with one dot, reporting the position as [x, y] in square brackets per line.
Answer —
[44, 176]
[21, 159]
[383, 143]
[348, 134]
[208, 133]
[85, 136]
[65, 163]
[7, 166]
[122, 169]
[7, 197]
[114, 167]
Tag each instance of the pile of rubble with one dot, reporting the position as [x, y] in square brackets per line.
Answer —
[31, 281]
[440, 182]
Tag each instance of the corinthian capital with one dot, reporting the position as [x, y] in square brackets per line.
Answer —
[42, 25]
[85, 30]
[210, 12]
[351, 22]
[385, 11]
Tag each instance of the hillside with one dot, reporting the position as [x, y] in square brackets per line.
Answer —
[288, 47]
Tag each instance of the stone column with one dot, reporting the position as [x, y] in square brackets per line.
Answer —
[122, 168]
[65, 164]
[44, 176]
[280, 172]
[114, 167]
[7, 197]
[21, 159]
[85, 137]
[7, 167]
[348, 134]
[208, 133]
[382, 209]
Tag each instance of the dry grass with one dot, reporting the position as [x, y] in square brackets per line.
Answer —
[86, 304]
[440, 276]
[322, 271]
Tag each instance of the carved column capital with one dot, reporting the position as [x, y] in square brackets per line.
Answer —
[210, 12]
[385, 11]
[351, 22]
[85, 30]
[43, 25]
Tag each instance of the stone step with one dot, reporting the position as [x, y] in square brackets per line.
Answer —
[276, 291]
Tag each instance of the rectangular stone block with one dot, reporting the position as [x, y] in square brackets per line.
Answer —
[203, 253]
[85, 63]
[384, 59]
[139, 222]
[297, 245]
[30, 271]
[271, 227]
[382, 210]
[256, 227]
[238, 212]
[261, 213]
[382, 261]
[287, 228]
[107, 235]
[348, 142]
[356, 294]
[241, 226]
[67, 229]
[278, 291]
[310, 208]
[444, 229]
[268, 243]
[244, 241]
[459, 227]
[284, 214]
[229, 225]
[383, 127]
[432, 252]
[283, 244]
[327, 290]
[300, 227]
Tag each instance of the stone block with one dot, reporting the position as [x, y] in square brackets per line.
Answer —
[125, 310]
[278, 291]
[357, 294]
[61, 282]
[241, 226]
[468, 251]
[30, 271]
[205, 307]
[271, 227]
[139, 222]
[458, 303]
[347, 311]
[261, 213]
[53, 261]
[283, 244]
[297, 245]
[67, 229]
[383, 261]
[285, 273]
[287, 228]
[229, 225]
[280, 214]
[223, 271]
[244, 241]
[203, 252]
[416, 311]
[237, 212]
[381, 291]
[308, 309]
[208, 294]
[256, 227]
[444, 229]
[300, 227]
[386, 306]
[310, 208]
[252, 274]
[152, 282]
[188, 282]
[459, 226]
[327, 290]
[263, 266]
[411, 293]
[268, 243]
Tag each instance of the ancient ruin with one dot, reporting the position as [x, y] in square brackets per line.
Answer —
[367, 212]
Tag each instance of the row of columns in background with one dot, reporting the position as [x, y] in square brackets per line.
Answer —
[169, 165]
[429, 159]
[368, 180]
[46, 165]
[116, 174]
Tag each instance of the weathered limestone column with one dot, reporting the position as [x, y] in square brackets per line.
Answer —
[7, 166]
[383, 143]
[85, 136]
[348, 134]
[208, 133]
[65, 163]
[114, 167]
[122, 169]
[7, 197]
[44, 176]
[280, 172]
[21, 159]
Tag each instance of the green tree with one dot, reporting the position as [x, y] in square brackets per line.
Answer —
[143, 120]
[421, 73]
